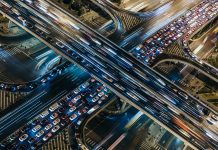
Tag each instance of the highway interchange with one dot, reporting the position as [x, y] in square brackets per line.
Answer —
[122, 73]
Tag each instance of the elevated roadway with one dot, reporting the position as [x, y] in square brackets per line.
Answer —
[138, 94]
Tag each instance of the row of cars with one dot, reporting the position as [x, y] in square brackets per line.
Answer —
[42, 32]
[204, 13]
[69, 110]
[183, 26]
[63, 46]
[27, 87]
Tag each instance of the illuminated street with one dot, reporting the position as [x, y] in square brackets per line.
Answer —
[108, 74]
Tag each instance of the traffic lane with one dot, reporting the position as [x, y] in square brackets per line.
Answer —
[158, 87]
[158, 21]
[47, 95]
[25, 110]
[193, 136]
[121, 129]
[80, 100]
[143, 100]
[90, 36]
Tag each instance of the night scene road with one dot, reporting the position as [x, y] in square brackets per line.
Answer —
[122, 71]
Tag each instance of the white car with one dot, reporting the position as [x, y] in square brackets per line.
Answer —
[72, 109]
[100, 94]
[85, 85]
[95, 99]
[44, 114]
[56, 128]
[214, 117]
[36, 128]
[60, 44]
[46, 137]
[40, 133]
[76, 91]
[48, 127]
[76, 98]
[56, 121]
[74, 116]
[54, 115]
[23, 137]
[53, 107]
[22, 20]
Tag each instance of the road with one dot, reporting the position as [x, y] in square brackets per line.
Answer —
[40, 99]
[163, 16]
[203, 46]
[142, 101]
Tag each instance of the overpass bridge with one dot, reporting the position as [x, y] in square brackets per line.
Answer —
[143, 98]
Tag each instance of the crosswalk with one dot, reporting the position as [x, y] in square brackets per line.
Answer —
[166, 68]
[147, 146]
[60, 142]
[9, 98]
[93, 144]
[8, 53]
[4, 78]
[175, 49]
[130, 21]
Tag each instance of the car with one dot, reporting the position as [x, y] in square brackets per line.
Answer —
[100, 88]
[95, 99]
[49, 126]
[54, 115]
[101, 94]
[53, 107]
[22, 20]
[72, 109]
[85, 85]
[40, 133]
[44, 113]
[93, 80]
[210, 121]
[56, 128]
[76, 98]
[82, 111]
[31, 140]
[183, 95]
[36, 128]
[73, 117]
[76, 91]
[71, 104]
[23, 137]
[56, 121]
[46, 137]
[60, 44]
[214, 117]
